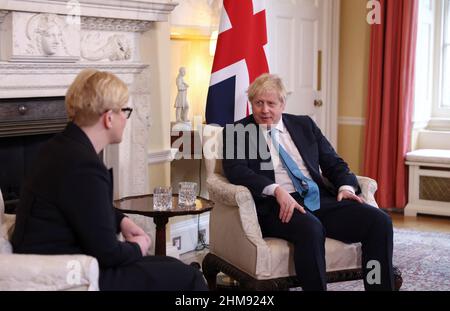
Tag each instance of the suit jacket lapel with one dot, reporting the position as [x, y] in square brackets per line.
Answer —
[300, 141]
[260, 144]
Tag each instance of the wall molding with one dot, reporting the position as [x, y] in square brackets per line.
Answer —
[352, 121]
[162, 156]
[112, 24]
[58, 68]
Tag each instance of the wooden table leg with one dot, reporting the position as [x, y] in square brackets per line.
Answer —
[160, 243]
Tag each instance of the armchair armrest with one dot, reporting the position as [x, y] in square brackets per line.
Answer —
[236, 196]
[48, 272]
[235, 204]
[225, 192]
[368, 188]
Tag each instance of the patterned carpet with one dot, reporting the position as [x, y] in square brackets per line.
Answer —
[423, 258]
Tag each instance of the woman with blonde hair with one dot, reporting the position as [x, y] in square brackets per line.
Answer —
[66, 204]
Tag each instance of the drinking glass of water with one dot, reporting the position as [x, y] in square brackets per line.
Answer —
[162, 198]
[187, 193]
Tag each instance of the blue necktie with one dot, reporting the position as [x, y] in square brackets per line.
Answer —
[306, 187]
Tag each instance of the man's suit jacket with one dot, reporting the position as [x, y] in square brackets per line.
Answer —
[316, 151]
[66, 204]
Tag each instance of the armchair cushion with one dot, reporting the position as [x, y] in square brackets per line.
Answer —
[42, 272]
[339, 256]
[48, 272]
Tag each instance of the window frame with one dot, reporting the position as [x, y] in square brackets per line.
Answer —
[442, 23]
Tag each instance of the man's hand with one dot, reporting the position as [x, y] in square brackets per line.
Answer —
[287, 204]
[348, 195]
[133, 233]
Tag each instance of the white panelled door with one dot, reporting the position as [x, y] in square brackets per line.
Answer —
[299, 50]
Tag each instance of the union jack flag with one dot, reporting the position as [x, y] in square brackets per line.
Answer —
[239, 59]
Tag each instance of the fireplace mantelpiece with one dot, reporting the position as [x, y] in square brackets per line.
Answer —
[144, 10]
[52, 79]
[107, 37]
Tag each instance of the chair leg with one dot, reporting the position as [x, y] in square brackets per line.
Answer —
[210, 271]
[212, 265]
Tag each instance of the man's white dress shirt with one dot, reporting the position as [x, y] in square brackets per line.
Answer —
[282, 178]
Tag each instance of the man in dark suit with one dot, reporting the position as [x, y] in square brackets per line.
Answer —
[282, 160]
[66, 204]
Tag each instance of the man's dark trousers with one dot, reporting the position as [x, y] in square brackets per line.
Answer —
[348, 221]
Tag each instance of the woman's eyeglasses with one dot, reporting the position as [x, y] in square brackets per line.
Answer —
[127, 111]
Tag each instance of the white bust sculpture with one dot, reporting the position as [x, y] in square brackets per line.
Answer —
[181, 103]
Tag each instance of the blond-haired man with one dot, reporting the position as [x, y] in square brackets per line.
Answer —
[292, 200]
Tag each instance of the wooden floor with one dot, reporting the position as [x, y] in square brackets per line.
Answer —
[421, 222]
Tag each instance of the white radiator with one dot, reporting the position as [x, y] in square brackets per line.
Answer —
[429, 182]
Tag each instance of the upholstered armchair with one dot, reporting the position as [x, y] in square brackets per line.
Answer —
[237, 247]
[47, 272]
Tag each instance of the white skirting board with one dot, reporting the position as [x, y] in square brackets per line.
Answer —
[187, 231]
[172, 251]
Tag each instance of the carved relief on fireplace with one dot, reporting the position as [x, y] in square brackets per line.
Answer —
[39, 37]
[98, 47]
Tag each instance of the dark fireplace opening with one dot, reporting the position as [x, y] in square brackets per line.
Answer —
[16, 161]
[25, 125]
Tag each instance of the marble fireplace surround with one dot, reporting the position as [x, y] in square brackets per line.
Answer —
[44, 44]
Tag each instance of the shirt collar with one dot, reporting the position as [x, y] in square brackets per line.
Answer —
[280, 126]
